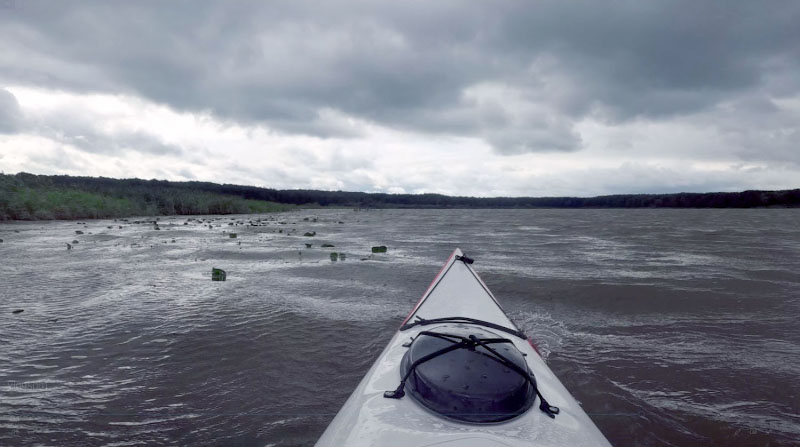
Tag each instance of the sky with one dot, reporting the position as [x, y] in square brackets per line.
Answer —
[476, 98]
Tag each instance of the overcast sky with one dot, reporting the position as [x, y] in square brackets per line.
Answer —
[481, 98]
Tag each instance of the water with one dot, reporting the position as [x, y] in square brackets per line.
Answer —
[671, 327]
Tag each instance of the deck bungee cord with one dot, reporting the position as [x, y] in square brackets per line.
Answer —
[471, 343]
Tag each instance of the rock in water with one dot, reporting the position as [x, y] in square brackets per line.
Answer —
[1, 241]
[342, 256]
[218, 274]
[379, 249]
[17, 311]
[78, 232]
[307, 245]
[75, 242]
[327, 245]
[310, 234]
[334, 256]
[232, 235]
[69, 247]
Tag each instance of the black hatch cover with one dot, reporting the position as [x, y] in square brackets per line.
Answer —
[468, 385]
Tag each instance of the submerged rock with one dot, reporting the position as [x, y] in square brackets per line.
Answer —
[1, 241]
[218, 274]
[379, 249]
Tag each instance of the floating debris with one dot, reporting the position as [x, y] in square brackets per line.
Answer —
[310, 233]
[334, 256]
[379, 249]
[218, 274]
[17, 311]
[328, 245]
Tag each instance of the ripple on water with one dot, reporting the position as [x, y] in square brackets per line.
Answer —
[672, 327]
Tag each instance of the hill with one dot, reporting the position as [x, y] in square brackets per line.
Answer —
[27, 196]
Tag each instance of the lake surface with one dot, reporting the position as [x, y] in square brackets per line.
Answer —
[671, 327]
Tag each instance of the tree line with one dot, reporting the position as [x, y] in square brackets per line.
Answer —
[29, 196]
[38, 197]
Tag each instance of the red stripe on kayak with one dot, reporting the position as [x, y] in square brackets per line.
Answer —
[428, 290]
[533, 345]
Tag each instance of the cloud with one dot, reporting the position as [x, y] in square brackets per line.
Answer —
[408, 66]
[348, 94]
[10, 113]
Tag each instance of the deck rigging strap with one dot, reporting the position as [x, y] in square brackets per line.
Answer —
[423, 322]
[471, 342]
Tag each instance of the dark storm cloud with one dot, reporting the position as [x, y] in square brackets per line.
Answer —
[412, 65]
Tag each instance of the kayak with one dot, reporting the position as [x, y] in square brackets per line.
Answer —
[458, 372]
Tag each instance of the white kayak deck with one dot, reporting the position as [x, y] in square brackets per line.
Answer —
[370, 419]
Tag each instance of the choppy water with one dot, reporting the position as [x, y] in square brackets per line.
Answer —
[672, 327]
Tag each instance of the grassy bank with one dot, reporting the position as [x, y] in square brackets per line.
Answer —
[29, 196]
[22, 202]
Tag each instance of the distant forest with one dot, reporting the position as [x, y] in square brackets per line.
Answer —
[29, 197]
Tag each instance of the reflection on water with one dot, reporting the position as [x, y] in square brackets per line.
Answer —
[672, 327]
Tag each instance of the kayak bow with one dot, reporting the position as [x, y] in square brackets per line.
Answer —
[459, 372]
